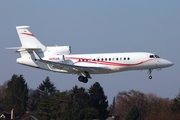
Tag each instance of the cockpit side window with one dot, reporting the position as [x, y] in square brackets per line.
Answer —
[151, 56]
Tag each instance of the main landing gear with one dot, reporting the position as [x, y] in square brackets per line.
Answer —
[149, 72]
[83, 79]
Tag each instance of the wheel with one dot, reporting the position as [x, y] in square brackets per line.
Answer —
[150, 77]
[81, 78]
[85, 80]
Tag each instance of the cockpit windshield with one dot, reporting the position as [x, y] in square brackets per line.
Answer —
[157, 56]
[154, 56]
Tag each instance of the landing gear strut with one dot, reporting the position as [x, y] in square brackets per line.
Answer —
[83, 79]
[149, 72]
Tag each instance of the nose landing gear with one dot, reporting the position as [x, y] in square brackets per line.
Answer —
[149, 72]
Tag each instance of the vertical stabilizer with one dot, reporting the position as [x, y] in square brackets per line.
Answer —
[28, 40]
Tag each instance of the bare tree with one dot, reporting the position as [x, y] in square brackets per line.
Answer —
[126, 100]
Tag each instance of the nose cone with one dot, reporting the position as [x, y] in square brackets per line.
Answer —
[166, 63]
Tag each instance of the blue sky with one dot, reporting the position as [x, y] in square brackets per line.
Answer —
[96, 27]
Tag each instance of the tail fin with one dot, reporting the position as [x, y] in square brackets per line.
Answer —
[28, 40]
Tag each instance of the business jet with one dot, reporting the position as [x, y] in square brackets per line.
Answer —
[59, 59]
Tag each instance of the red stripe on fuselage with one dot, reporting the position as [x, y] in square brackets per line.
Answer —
[106, 62]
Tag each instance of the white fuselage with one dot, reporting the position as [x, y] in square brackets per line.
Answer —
[114, 62]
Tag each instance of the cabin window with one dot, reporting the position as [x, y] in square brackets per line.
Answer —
[105, 59]
[128, 58]
[124, 58]
[116, 59]
[102, 59]
[109, 59]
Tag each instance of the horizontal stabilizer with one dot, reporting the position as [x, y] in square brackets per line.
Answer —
[27, 48]
[20, 49]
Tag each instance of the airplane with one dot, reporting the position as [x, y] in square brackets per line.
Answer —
[59, 59]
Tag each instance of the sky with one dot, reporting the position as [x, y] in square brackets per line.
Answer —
[101, 26]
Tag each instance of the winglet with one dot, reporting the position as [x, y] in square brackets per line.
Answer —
[36, 56]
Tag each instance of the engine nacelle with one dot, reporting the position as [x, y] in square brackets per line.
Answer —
[57, 50]
[56, 58]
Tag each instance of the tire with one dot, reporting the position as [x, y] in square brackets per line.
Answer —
[85, 80]
[81, 78]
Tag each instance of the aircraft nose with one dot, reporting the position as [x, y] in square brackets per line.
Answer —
[169, 63]
[166, 63]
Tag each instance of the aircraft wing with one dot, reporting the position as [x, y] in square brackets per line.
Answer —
[74, 68]
[71, 68]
